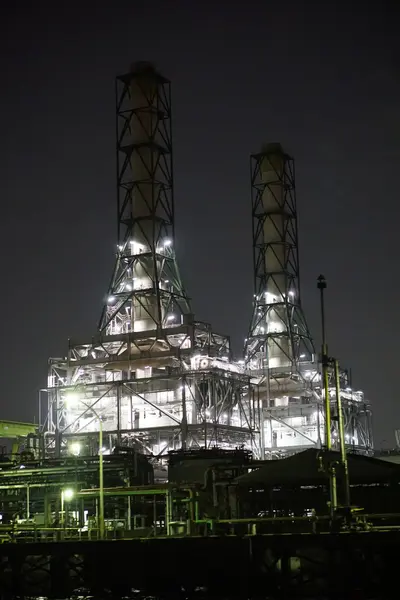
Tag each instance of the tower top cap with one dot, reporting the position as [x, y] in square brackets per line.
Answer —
[272, 148]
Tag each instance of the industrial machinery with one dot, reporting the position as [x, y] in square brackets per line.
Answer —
[23, 435]
[279, 350]
[153, 431]
[152, 378]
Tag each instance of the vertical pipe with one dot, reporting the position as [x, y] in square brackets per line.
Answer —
[184, 424]
[118, 415]
[62, 508]
[27, 501]
[155, 514]
[46, 509]
[343, 454]
[129, 512]
[261, 425]
[168, 511]
[101, 479]
[319, 426]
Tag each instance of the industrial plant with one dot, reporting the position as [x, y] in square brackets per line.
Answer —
[160, 380]
[153, 430]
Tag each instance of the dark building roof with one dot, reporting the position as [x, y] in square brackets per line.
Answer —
[307, 468]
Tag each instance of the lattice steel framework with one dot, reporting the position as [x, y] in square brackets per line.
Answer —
[146, 291]
[155, 378]
[279, 351]
[279, 335]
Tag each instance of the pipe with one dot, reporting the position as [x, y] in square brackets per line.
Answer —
[343, 453]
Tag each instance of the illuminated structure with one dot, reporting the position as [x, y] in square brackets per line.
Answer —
[279, 350]
[158, 379]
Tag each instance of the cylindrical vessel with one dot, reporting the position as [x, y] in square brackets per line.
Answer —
[276, 294]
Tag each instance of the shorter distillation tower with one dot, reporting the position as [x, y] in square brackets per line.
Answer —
[279, 351]
[152, 377]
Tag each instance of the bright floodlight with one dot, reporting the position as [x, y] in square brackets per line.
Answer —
[75, 448]
[71, 398]
[170, 317]
[68, 494]
[111, 299]
[167, 242]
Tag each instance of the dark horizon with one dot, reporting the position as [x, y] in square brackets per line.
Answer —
[320, 79]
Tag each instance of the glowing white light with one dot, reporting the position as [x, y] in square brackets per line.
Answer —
[302, 355]
[128, 287]
[166, 281]
[120, 248]
[136, 247]
[75, 448]
[71, 398]
[348, 389]
[171, 318]
[167, 243]
[111, 299]
[68, 494]
[291, 293]
[275, 327]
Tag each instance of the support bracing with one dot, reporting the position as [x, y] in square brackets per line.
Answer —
[158, 379]
[278, 336]
[295, 388]
[146, 291]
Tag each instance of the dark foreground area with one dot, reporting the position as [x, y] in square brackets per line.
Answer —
[340, 566]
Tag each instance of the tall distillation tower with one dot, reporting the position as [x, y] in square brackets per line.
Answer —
[157, 379]
[279, 350]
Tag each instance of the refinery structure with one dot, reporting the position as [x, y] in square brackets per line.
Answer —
[156, 380]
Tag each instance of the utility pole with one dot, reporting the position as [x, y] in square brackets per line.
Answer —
[325, 364]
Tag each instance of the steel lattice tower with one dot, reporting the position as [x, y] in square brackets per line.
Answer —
[279, 337]
[146, 291]
[153, 376]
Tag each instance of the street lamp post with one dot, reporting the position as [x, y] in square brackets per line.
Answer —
[66, 495]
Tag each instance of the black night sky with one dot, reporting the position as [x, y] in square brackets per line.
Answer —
[320, 77]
